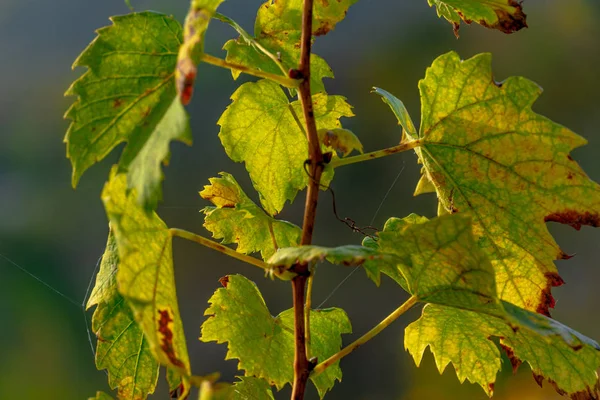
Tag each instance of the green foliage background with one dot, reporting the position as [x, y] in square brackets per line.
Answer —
[59, 234]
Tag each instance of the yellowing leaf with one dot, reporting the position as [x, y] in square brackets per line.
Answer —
[340, 140]
[122, 348]
[441, 262]
[465, 339]
[504, 15]
[491, 157]
[263, 129]
[145, 276]
[236, 219]
[128, 95]
[264, 345]
[284, 18]
[277, 29]
[190, 52]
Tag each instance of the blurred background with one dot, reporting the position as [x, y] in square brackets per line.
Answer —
[58, 234]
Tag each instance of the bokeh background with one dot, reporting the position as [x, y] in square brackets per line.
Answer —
[58, 234]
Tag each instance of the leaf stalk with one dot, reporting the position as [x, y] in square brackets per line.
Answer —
[282, 80]
[407, 305]
[176, 232]
[339, 162]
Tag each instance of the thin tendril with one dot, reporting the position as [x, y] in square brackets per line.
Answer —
[330, 295]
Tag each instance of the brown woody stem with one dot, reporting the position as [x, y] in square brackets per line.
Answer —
[301, 364]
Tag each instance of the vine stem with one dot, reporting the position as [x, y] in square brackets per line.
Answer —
[366, 337]
[282, 80]
[301, 364]
[339, 162]
[218, 247]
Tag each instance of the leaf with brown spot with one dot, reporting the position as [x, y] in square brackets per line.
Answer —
[504, 15]
[145, 277]
[341, 140]
[466, 339]
[490, 156]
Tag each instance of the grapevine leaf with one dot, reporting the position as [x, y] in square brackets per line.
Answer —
[346, 255]
[464, 338]
[145, 277]
[283, 19]
[277, 29]
[441, 261]
[237, 219]
[101, 396]
[128, 95]
[242, 53]
[504, 15]
[491, 157]
[192, 48]
[264, 345]
[261, 128]
[122, 348]
[388, 266]
[341, 140]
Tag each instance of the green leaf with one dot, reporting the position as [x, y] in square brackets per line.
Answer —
[192, 48]
[128, 95]
[491, 157]
[145, 277]
[341, 140]
[277, 28]
[264, 345]
[465, 339]
[263, 129]
[400, 111]
[388, 266]
[441, 261]
[122, 348]
[237, 219]
[504, 15]
[346, 255]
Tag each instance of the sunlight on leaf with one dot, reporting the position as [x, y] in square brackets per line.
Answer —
[128, 95]
[263, 344]
[490, 156]
[237, 219]
[464, 338]
[263, 129]
[145, 277]
[122, 348]
[441, 262]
